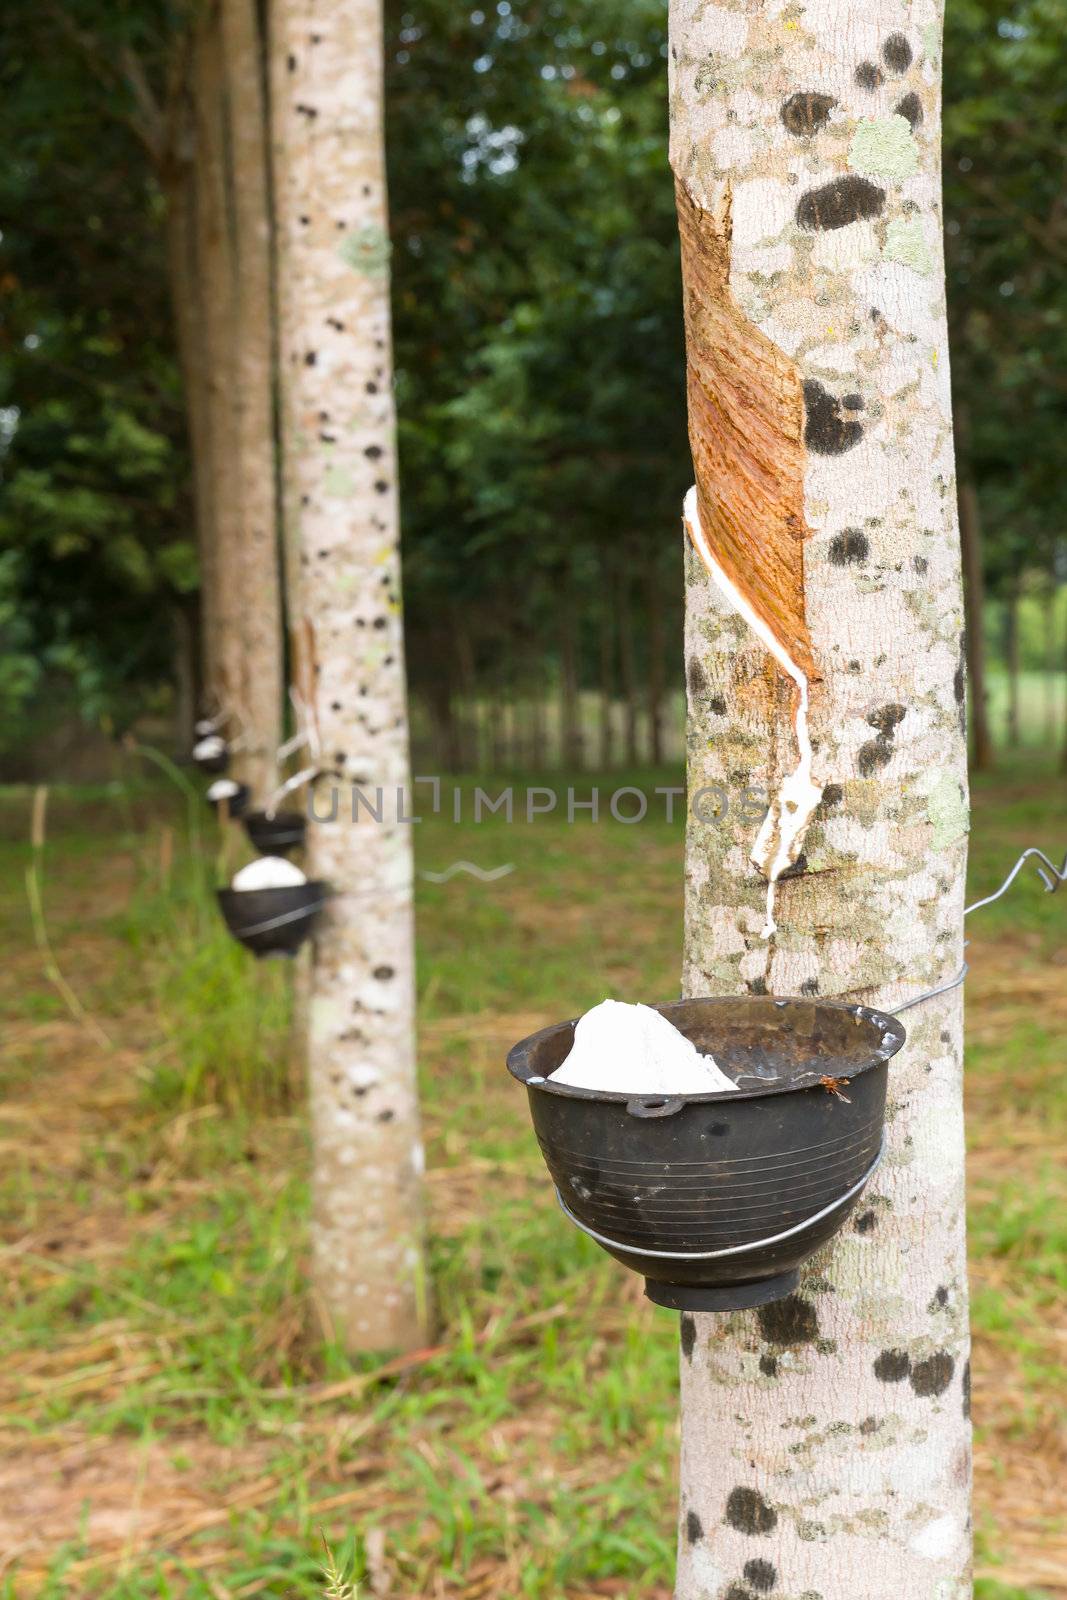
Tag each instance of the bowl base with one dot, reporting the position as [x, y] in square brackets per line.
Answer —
[731, 1297]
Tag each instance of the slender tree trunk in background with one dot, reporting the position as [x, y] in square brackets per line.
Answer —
[1012, 652]
[215, 283]
[470, 738]
[537, 726]
[186, 678]
[974, 607]
[180, 188]
[253, 467]
[1051, 663]
[569, 711]
[655, 665]
[825, 1443]
[607, 686]
[627, 671]
[336, 364]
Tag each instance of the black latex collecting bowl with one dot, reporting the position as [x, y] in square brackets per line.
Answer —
[277, 835]
[235, 803]
[272, 922]
[718, 1198]
[215, 765]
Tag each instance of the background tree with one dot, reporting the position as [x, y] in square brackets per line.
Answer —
[340, 459]
[825, 1441]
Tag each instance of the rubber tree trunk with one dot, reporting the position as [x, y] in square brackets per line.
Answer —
[825, 1446]
[340, 460]
[215, 284]
[253, 467]
[974, 606]
[179, 181]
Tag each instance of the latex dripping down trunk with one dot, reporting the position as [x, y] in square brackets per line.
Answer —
[782, 833]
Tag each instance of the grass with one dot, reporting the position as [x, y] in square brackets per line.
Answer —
[174, 1422]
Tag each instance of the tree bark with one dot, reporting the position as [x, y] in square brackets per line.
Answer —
[178, 178]
[825, 1441]
[340, 460]
[252, 389]
[984, 758]
[215, 284]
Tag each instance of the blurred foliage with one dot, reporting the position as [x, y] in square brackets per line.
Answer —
[538, 331]
[1006, 249]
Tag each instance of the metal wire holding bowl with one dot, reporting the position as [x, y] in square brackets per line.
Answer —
[1051, 876]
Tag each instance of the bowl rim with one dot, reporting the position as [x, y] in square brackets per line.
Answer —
[893, 1033]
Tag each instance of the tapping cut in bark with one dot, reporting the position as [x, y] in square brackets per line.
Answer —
[746, 434]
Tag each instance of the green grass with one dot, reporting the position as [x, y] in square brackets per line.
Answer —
[162, 1213]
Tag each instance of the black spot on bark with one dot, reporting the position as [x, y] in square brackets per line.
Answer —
[688, 1334]
[761, 1575]
[694, 1528]
[372, 452]
[757, 986]
[839, 202]
[804, 114]
[382, 486]
[967, 1389]
[896, 53]
[790, 1321]
[748, 1512]
[910, 108]
[933, 1376]
[868, 76]
[696, 677]
[849, 548]
[379, 622]
[832, 796]
[371, 388]
[867, 1222]
[873, 756]
[383, 974]
[768, 1365]
[941, 1297]
[291, 63]
[310, 358]
[887, 719]
[827, 430]
[386, 1116]
[921, 565]
[869, 1425]
[892, 1366]
[718, 705]
[737, 1591]
[810, 986]
[798, 869]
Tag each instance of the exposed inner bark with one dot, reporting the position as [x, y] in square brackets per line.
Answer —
[746, 434]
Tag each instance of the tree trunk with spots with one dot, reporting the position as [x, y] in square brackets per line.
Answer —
[825, 1441]
[340, 465]
[252, 398]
